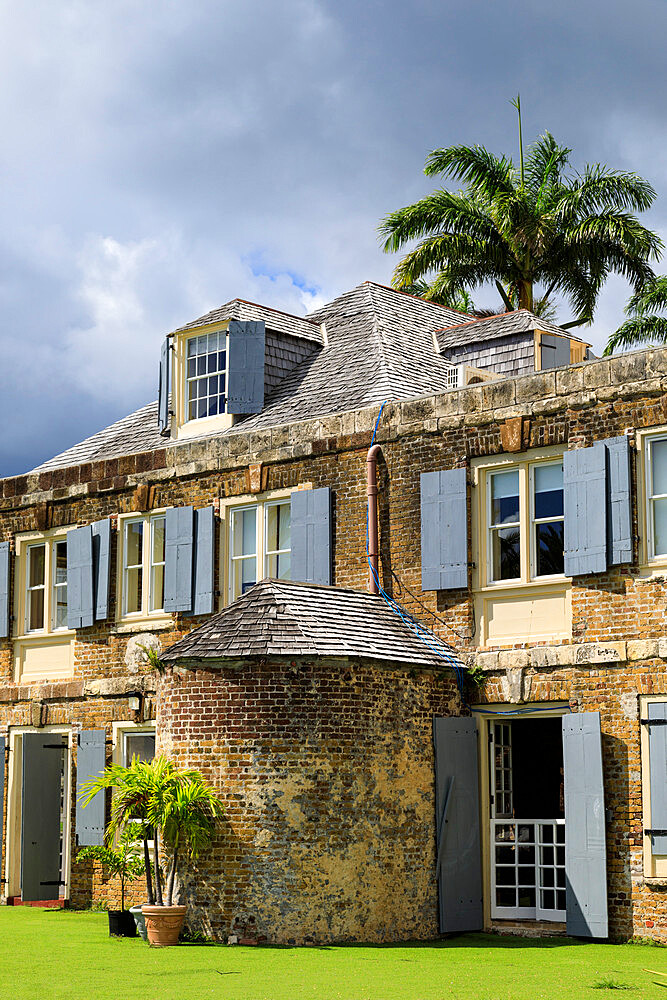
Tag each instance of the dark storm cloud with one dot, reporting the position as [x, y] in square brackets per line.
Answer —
[158, 159]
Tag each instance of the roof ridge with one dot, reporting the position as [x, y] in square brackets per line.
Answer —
[281, 312]
[383, 344]
[410, 295]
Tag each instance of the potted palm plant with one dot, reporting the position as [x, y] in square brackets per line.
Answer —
[129, 866]
[164, 803]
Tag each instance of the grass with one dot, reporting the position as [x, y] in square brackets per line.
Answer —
[53, 955]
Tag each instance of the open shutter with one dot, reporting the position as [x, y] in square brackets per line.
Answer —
[90, 761]
[444, 530]
[40, 814]
[101, 563]
[204, 561]
[310, 526]
[5, 560]
[619, 513]
[80, 577]
[555, 351]
[245, 366]
[164, 387]
[178, 553]
[585, 848]
[458, 854]
[585, 503]
[657, 756]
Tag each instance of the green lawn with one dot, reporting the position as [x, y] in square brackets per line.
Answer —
[48, 955]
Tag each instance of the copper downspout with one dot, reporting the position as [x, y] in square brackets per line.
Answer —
[372, 494]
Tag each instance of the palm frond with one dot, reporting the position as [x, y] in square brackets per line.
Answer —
[635, 332]
[485, 173]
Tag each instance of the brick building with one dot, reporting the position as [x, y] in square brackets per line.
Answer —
[375, 788]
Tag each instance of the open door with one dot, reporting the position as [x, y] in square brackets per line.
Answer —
[585, 847]
[458, 858]
[44, 756]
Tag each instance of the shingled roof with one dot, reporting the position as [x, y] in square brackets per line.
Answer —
[284, 618]
[502, 325]
[283, 322]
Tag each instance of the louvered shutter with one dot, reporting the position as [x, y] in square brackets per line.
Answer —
[245, 366]
[164, 387]
[204, 561]
[80, 577]
[90, 761]
[585, 847]
[458, 853]
[178, 556]
[5, 562]
[40, 816]
[101, 567]
[657, 756]
[585, 508]
[619, 512]
[444, 530]
[310, 526]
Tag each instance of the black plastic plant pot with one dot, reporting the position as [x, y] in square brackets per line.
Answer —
[121, 924]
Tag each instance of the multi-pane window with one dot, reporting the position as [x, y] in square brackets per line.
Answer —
[45, 603]
[139, 744]
[524, 520]
[656, 494]
[143, 565]
[205, 375]
[259, 544]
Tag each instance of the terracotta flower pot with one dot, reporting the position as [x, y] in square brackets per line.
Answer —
[163, 924]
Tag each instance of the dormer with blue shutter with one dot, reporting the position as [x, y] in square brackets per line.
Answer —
[209, 375]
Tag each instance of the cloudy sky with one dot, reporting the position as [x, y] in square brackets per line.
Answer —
[158, 159]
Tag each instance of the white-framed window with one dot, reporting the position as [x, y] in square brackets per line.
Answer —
[142, 561]
[524, 522]
[137, 743]
[206, 375]
[44, 569]
[258, 543]
[656, 496]
[652, 739]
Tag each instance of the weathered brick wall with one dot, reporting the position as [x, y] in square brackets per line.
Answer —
[326, 774]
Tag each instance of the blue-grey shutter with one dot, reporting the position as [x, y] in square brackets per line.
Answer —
[444, 530]
[458, 853]
[40, 816]
[310, 527]
[164, 387]
[585, 508]
[555, 351]
[90, 761]
[245, 366]
[619, 512]
[204, 561]
[657, 757]
[585, 847]
[178, 553]
[101, 567]
[5, 561]
[80, 577]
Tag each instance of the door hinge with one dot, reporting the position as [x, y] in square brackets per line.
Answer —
[656, 833]
[653, 722]
[54, 746]
[57, 882]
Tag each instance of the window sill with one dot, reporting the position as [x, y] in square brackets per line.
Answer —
[129, 625]
[510, 586]
[37, 638]
[656, 881]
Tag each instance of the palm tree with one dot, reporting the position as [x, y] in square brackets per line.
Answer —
[537, 224]
[644, 325]
[186, 814]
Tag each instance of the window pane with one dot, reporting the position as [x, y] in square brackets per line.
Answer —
[60, 558]
[244, 525]
[505, 497]
[549, 546]
[278, 527]
[548, 483]
[133, 590]
[36, 609]
[134, 537]
[139, 745]
[660, 527]
[60, 597]
[506, 553]
[659, 466]
[278, 566]
[157, 588]
[244, 575]
[158, 539]
[36, 565]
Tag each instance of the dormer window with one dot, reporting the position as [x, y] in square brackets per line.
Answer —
[206, 375]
